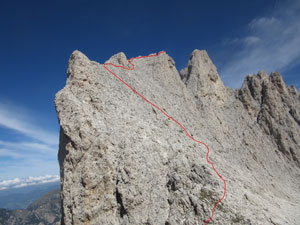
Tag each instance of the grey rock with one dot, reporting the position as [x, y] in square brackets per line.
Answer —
[124, 162]
[275, 107]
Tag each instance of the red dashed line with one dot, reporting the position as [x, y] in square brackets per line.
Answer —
[212, 165]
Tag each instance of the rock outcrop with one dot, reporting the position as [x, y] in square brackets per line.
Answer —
[276, 108]
[123, 162]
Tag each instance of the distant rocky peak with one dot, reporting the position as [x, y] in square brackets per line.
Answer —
[119, 59]
[275, 107]
[277, 81]
[252, 89]
[201, 76]
[78, 64]
[267, 90]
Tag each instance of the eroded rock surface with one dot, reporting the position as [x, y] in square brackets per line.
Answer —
[276, 108]
[123, 162]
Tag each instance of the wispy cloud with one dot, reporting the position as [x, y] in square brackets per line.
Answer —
[26, 150]
[29, 146]
[270, 43]
[11, 117]
[34, 152]
[27, 165]
[10, 153]
[17, 182]
[251, 40]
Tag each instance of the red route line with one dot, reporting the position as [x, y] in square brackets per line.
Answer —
[212, 165]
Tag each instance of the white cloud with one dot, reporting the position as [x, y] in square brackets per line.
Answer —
[259, 24]
[29, 146]
[271, 43]
[9, 153]
[29, 166]
[251, 40]
[36, 139]
[17, 182]
[34, 152]
[13, 118]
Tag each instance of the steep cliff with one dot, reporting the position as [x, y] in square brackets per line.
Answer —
[276, 108]
[122, 161]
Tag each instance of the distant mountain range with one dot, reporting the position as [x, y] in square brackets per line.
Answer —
[21, 198]
[43, 211]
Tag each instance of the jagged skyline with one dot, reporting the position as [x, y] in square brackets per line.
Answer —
[38, 39]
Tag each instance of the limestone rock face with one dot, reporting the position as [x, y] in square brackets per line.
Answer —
[201, 76]
[275, 107]
[122, 161]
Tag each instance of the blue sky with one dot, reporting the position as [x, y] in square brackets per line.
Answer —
[37, 38]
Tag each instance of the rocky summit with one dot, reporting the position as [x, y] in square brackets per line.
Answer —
[123, 162]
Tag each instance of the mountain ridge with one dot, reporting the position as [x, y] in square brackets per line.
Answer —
[43, 211]
[21, 198]
[123, 163]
